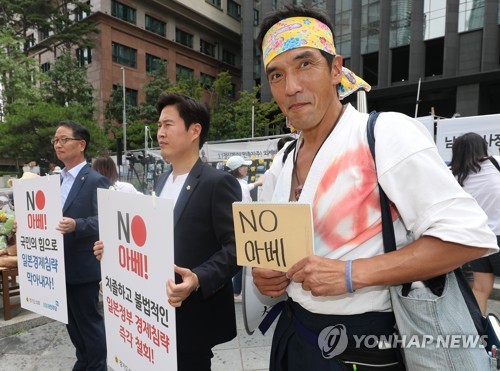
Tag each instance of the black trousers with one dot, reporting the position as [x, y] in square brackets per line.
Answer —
[86, 327]
[299, 343]
[200, 360]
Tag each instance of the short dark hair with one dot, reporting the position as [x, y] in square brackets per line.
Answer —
[192, 111]
[290, 11]
[283, 140]
[105, 165]
[468, 152]
[236, 172]
[79, 131]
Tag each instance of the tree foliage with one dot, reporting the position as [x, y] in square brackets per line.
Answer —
[67, 83]
[34, 102]
[57, 18]
[18, 73]
[29, 128]
[230, 118]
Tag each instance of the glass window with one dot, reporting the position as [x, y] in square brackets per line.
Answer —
[228, 57]
[434, 18]
[122, 11]
[207, 48]
[155, 25]
[233, 9]
[214, 2]
[45, 67]
[206, 81]
[43, 33]
[152, 62]
[183, 38]
[434, 57]
[130, 95]
[84, 56]
[30, 42]
[342, 23]
[470, 15]
[370, 68]
[400, 33]
[183, 73]
[400, 63]
[370, 26]
[319, 4]
[80, 13]
[124, 55]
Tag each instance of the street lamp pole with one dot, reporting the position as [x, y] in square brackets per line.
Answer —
[124, 122]
[253, 120]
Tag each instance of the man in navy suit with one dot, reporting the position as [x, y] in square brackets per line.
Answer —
[204, 242]
[80, 227]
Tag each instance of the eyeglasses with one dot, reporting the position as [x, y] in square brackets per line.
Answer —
[63, 141]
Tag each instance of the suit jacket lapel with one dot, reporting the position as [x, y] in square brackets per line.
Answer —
[77, 185]
[188, 189]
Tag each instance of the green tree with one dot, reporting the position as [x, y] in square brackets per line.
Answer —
[273, 119]
[187, 85]
[28, 129]
[222, 114]
[60, 20]
[113, 126]
[232, 118]
[158, 83]
[67, 83]
[18, 73]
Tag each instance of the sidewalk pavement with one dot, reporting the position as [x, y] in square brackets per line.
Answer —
[30, 342]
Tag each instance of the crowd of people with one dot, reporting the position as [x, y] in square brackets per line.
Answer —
[346, 281]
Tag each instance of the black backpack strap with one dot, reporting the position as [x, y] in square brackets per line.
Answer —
[387, 226]
[494, 162]
[289, 149]
[388, 235]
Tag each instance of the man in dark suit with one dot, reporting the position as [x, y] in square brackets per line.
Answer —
[204, 242]
[80, 227]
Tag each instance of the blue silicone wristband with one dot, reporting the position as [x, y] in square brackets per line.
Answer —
[348, 278]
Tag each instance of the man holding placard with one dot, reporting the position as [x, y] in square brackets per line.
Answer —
[80, 228]
[346, 281]
[204, 242]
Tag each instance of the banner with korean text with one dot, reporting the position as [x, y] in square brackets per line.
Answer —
[40, 247]
[488, 126]
[137, 262]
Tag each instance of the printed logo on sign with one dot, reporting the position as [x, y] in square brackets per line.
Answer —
[130, 258]
[36, 220]
[138, 230]
[40, 200]
[332, 341]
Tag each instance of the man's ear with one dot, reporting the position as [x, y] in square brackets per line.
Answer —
[337, 69]
[196, 129]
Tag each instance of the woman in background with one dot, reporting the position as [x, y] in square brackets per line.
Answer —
[238, 167]
[479, 175]
[107, 167]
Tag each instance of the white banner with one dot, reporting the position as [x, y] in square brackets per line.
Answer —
[138, 260]
[487, 126]
[250, 150]
[428, 122]
[40, 247]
